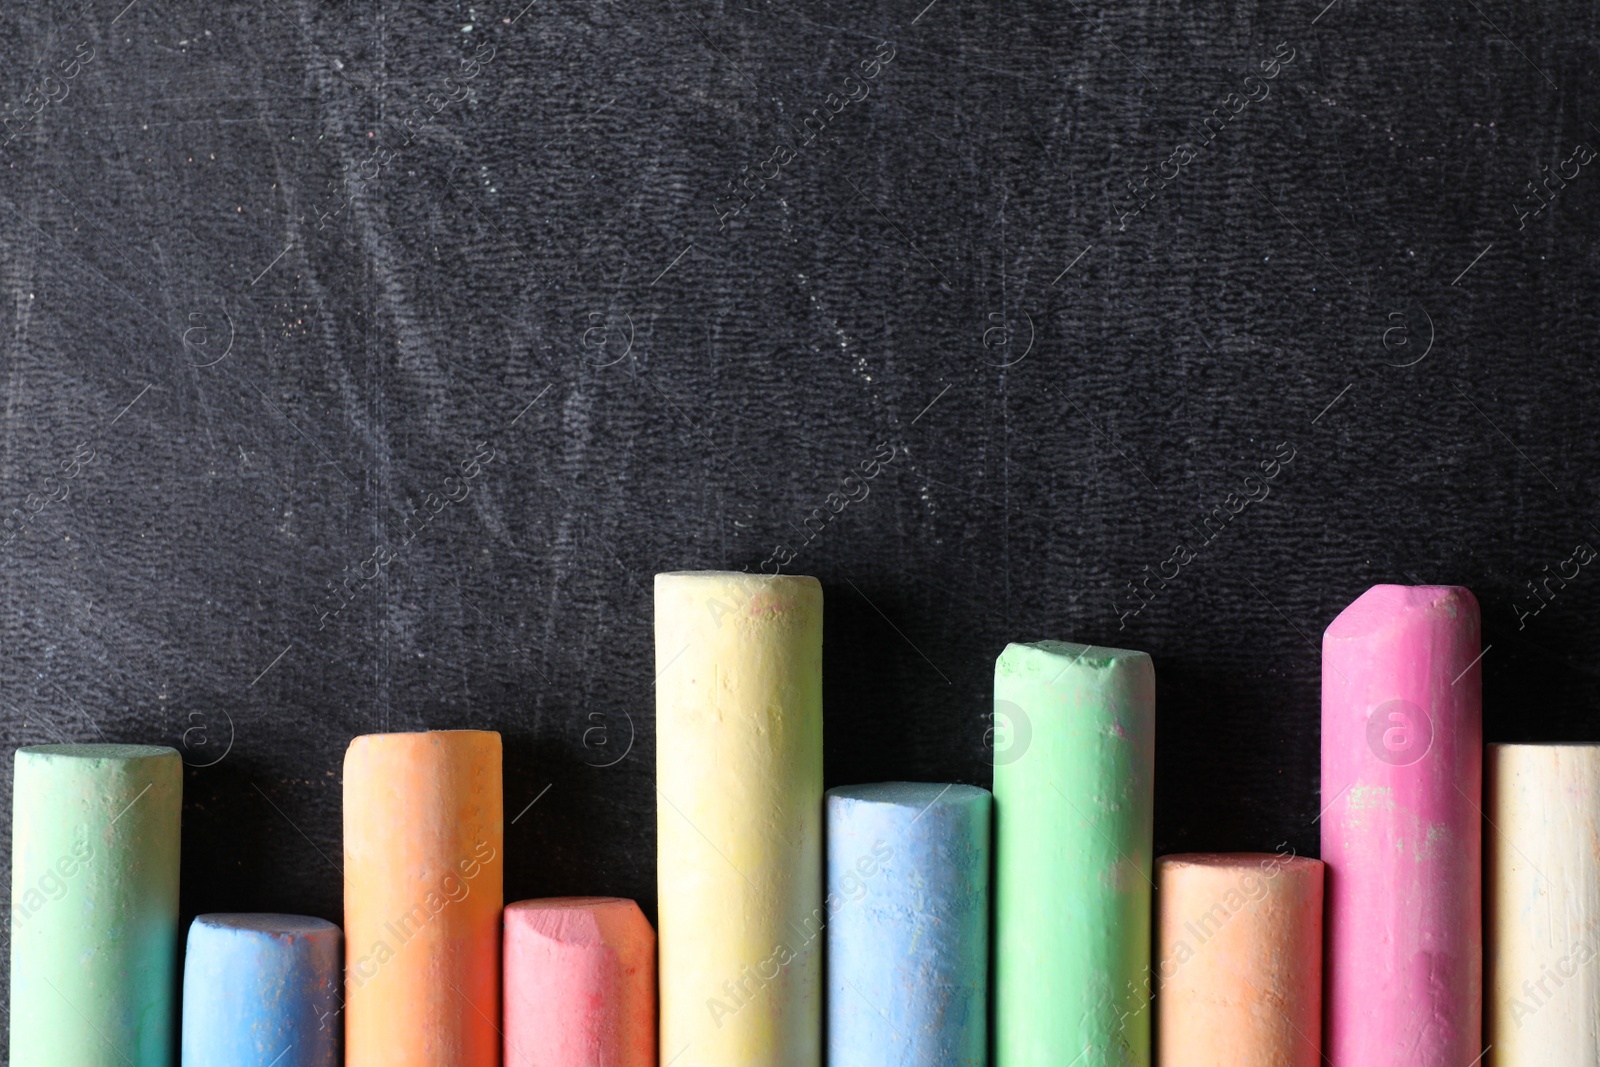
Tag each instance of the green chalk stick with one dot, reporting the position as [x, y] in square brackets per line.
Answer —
[1073, 814]
[94, 905]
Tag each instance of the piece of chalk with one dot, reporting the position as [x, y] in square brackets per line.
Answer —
[94, 905]
[1542, 856]
[908, 924]
[1074, 808]
[1402, 784]
[739, 818]
[261, 989]
[580, 981]
[1238, 960]
[423, 867]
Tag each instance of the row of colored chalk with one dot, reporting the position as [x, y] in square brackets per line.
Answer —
[1394, 910]
[758, 871]
[95, 840]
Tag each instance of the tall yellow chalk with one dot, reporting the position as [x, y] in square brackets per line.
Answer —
[739, 819]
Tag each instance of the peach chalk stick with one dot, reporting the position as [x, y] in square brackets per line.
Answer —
[580, 981]
[1402, 785]
[1238, 960]
[423, 825]
[739, 819]
[1543, 861]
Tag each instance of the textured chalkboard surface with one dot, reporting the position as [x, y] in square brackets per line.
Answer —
[504, 307]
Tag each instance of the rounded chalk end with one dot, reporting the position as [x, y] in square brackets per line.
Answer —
[918, 796]
[97, 753]
[580, 920]
[427, 746]
[725, 579]
[1386, 606]
[1053, 659]
[267, 924]
[1237, 861]
[685, 599]
[416, 738]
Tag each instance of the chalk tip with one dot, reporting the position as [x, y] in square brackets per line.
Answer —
[1052, 659]
[1236, 861]
[1535, 746]
[413, 739]
[723, 579]
[111, 752]
[584, 904]
[432, 735]
[1384, 606]
[918, 796]
[580, 920]
[266, 923]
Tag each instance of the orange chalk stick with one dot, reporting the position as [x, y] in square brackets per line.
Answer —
[580, 980]
[423, 844]
[1238, 960]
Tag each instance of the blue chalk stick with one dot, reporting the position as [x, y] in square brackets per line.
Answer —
[908, 925]
[262, 990]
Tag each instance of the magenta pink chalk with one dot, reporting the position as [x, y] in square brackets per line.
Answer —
[1402, 777]
[580, 984]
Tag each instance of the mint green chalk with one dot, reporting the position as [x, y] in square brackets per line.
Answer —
[94, 905]
[1074, 808]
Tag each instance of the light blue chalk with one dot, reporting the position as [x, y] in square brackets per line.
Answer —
[262, 990]
[908, 925]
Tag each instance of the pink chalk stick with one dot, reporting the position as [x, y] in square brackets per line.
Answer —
[1402, 778]
[580, 984]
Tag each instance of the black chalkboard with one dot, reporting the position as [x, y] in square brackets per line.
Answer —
[362, 365]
